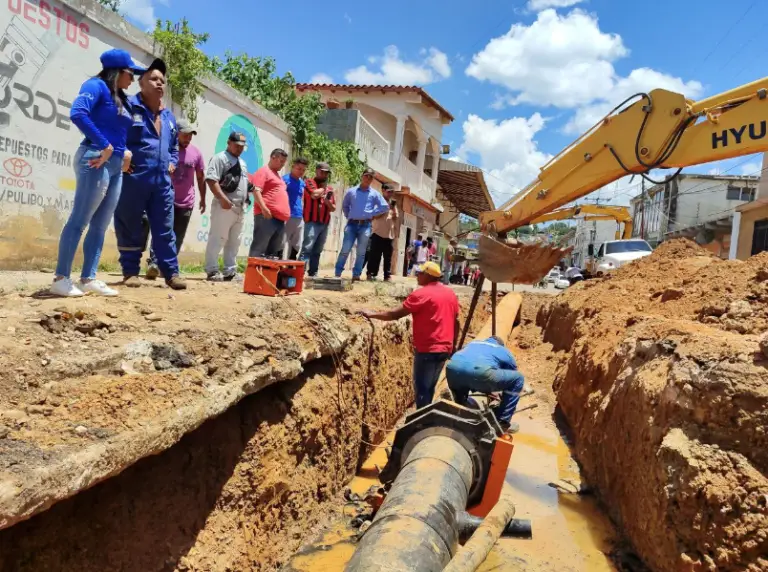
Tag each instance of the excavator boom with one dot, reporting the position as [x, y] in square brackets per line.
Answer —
[592, 212]
[659, 130]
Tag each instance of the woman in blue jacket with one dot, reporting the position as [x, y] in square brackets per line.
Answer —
[101, 112]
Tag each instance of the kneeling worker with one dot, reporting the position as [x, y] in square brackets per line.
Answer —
[487, 366]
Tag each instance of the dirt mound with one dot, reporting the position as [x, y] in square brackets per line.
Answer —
[665, 384]
[241, 491]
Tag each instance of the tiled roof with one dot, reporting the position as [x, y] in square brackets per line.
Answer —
[380, 88]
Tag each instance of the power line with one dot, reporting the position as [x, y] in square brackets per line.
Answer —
[724, 36]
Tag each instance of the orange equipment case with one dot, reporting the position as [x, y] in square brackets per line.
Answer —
[262, 276]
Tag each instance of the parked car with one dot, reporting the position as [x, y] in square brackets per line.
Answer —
[562, 283]
[553, 276]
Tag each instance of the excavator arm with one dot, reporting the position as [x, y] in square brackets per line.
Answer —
[656, 130]
[592, 212]
[660, 130]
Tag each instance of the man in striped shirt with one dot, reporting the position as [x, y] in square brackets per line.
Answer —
[319, 203]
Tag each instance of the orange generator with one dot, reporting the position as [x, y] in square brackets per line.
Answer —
[268, 277]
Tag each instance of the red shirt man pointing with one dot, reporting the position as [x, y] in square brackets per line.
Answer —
[435, 311]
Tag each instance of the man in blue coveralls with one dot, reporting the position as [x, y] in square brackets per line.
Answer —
[360, 206]
[154, 144]
[487, 366]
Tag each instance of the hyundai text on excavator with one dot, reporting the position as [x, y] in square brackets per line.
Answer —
[656, 130]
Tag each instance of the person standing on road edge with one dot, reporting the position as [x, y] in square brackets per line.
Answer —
[190, 168]
[153, 142]
[271, 208]
[361, 205]
[383, 237]
[227, 176]
[319, 203]
[101, 113]
[412, 253]
[448, 255]
[435, 311]
[487, 366]
[294, 226]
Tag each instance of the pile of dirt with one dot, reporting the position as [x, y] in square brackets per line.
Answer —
[241, 491]
[664, 381]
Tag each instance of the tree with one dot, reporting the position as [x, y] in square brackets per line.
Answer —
[257, 79]
[187, 64]
[113, 5]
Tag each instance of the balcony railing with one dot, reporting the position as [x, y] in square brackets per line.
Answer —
[419, 182]
[371, 142]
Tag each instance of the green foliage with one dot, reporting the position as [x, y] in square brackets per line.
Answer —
[187, 64]
[257, 79]
[113, 5]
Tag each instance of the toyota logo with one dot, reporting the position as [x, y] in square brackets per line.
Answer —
[17, 167]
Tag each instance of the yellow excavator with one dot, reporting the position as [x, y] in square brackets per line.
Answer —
[593, 212]
[656, 130]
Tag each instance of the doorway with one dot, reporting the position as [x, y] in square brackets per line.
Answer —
[760, 237]
[406, 258]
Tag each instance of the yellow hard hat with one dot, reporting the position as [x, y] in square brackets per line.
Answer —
[430, 268]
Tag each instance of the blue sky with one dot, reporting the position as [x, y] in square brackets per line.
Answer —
[516, 97]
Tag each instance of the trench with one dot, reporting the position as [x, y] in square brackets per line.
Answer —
[241, 491]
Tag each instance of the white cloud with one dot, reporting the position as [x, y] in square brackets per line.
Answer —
[507, 151]
[752, 168]
[538, 5]
[321, 78]
[394, 70]
[563, 61]
[639, 80]
[142, 11]
[348, 18]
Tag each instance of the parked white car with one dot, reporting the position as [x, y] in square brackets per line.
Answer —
[562, 283]
[553, 276]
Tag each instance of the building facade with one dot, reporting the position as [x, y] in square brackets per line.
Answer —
[47, 50]
[700, 207]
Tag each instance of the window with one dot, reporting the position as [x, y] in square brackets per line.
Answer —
[627, 246]
[745, 194]
[760, 237]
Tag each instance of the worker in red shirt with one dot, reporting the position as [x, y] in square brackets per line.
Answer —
[435, 311]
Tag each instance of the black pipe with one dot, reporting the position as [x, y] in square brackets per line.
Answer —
[416, 528]
[516, 528]
[472, 306]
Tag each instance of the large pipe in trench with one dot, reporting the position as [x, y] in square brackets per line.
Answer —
[416, 527]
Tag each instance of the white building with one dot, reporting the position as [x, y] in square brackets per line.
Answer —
[700, 207]
[399, 130]
[589, 232]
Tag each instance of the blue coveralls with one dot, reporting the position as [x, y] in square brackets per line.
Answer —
[486, 366]
[148, 189]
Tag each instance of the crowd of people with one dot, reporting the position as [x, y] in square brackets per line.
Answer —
[137, 166]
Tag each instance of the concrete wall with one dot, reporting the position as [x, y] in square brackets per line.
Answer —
[47, 50]
[704, 199]
[747, 229]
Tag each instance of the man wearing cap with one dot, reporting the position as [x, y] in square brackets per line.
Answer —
[448, 256]
[147, 187]
[271, 208]
[435, 311]
[294, 226]
[227, 176]
[383, 237]
[487, 366]
[190, 168]
[361, 205]
[319, 203]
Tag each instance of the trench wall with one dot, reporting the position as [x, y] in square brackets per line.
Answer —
[241, 491]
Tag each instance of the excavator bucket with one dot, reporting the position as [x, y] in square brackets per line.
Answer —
[515, 262]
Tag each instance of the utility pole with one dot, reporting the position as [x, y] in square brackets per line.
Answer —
[642, 214]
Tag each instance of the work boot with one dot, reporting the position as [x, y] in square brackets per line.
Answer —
[152, 272]
[215, 277]
[355, 279]
[176, 282]
[131, 281]
[509, 427]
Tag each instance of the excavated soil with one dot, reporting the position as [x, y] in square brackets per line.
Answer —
[207, 430]
[662, 379]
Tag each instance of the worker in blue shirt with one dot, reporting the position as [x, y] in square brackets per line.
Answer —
[360, 206]
[294, 226]
[154, 144]
[487, 366]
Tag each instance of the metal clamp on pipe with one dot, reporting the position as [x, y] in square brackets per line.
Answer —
[443, 460]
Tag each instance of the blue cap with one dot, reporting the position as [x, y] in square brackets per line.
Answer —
[120, 59]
